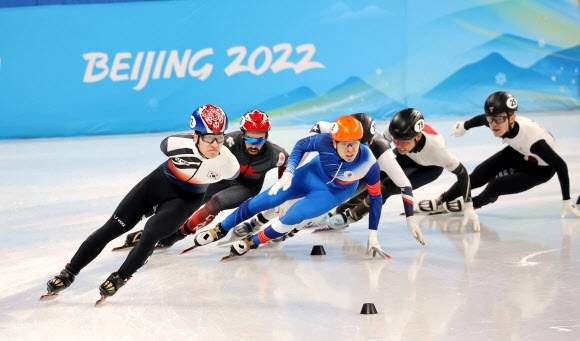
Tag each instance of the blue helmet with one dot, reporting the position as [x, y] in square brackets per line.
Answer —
[209, 119]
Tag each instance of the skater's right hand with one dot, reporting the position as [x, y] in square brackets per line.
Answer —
[374, 247]
[284, 182]
[469, 214]
[458, 129]
[568, 207]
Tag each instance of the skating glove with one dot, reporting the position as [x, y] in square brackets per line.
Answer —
[415, 230]
[374, 247]
[568, 207]
[284, 182]
[458, 129]
[470, 214]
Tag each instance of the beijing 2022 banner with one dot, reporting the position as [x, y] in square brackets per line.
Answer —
[135, 67]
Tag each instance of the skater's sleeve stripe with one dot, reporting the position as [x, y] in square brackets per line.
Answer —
[375, 189]
[408, 200]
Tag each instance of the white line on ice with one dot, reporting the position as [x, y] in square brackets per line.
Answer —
[524, 261]
[564, 328]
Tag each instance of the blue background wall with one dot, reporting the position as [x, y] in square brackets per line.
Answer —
[132, 67]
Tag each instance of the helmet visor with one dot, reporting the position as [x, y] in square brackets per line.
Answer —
[496, 118]
[210, 138]
[346, 144]
[256, 141]
[401, 142]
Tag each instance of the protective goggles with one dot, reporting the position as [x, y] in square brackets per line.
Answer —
[210, 138]
[402, 142]
[496, 119]
[346, 144]
[256, 141]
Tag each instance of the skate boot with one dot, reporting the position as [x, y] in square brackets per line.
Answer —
[284, 237]
[243, 230]
[436, 206]
[113, 283]
[130, 241]
[454, 205]
[243, 246]
[170, 240]
[323, 219]
[60, 282]
[210, 236]
[133, 238]
[340, 221]
[432, 206]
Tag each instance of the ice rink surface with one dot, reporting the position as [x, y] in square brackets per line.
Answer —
[518, 279]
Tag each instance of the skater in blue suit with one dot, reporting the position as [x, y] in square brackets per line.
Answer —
[326, 181]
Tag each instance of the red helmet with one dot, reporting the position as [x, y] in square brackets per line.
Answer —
[346, 128]
[256, 121]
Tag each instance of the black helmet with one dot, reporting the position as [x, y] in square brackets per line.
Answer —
[406, 124]
[369, 126]
[499, 102]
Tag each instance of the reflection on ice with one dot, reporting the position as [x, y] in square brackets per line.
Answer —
[461, 285]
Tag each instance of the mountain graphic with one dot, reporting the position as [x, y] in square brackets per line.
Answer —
[351, 96]
[297, 95]
[467, 88]
[560, 64]
[490, 74]
[514, 48]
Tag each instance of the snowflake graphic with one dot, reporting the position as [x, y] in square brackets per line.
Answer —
[500, 78]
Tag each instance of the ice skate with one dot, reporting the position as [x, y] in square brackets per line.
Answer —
[57, 284]
[168, 241]
[324, 218]
[454, 205]
[241, 248]
[337, 223]
[206, 237]
[242, 230]
[436, 206]
[210, 236]
[283, 238]
[130, 241]
[431, 206]
[110, 286]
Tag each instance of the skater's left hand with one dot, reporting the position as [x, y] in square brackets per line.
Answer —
[415, 230]
[469, 214]
[373, 245]
[568, 207]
